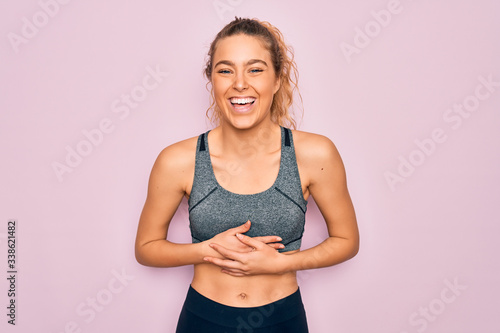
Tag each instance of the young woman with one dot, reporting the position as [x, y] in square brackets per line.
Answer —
[247, 182]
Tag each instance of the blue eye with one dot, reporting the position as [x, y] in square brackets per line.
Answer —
[224, 71]
[256, 70]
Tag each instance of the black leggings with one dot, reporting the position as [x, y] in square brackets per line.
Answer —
[202, 315]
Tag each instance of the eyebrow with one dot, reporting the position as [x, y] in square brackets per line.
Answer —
[249, 62]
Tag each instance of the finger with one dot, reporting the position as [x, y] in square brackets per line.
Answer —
[242, 228]
[276, 246]
[250, 241]
[225, 264]
[233, 273]
[268, 239]
[229, 254]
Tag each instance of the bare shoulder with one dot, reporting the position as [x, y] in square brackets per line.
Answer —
[180, 154]
[312, 148]
[174, 166]
[318, 159]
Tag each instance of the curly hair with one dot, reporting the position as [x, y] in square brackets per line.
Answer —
[283, 63]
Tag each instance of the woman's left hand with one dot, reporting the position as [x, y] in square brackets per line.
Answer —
[262, 260]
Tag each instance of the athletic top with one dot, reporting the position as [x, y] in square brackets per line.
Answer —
[278, 211]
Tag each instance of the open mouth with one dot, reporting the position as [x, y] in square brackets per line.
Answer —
[243, 104]
[242, 101]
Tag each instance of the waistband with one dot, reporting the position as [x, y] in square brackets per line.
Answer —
[270, 314]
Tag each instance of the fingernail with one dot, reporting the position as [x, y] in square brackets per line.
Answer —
[240, 236]
[279, 239]
[282, 246]
[211, 245]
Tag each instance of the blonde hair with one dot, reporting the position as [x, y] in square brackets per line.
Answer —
[283, 64]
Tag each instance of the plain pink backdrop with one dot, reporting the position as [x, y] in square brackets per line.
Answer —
[376, 77]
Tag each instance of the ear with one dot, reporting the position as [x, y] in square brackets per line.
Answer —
[277, 85]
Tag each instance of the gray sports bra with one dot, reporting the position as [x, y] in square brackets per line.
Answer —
[278, 211]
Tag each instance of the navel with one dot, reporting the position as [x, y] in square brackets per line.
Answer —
[242, 296]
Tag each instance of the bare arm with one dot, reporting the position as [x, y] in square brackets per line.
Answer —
[326, 177]
[167, 186]
[171, 178]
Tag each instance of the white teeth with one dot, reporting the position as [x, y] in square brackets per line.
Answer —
[247, 100]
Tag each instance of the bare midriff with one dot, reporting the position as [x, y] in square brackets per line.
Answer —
[245, 291]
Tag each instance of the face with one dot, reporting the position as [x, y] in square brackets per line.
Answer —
[244, 81]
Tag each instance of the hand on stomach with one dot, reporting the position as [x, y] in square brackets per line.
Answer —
[242, 291]
[244, 271]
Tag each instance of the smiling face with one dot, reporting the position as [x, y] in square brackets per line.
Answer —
[244, 81]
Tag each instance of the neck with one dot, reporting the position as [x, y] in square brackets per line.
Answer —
[262, 138]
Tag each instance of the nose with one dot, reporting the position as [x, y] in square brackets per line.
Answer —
[240, 82]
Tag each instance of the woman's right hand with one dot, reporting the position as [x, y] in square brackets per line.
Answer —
[229, 240]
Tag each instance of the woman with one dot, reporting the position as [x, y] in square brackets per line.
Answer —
[247, 182]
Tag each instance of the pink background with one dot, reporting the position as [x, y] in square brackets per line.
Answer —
[428, 258]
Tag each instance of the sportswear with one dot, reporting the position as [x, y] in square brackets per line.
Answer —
[278, 211]
[200, 314]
